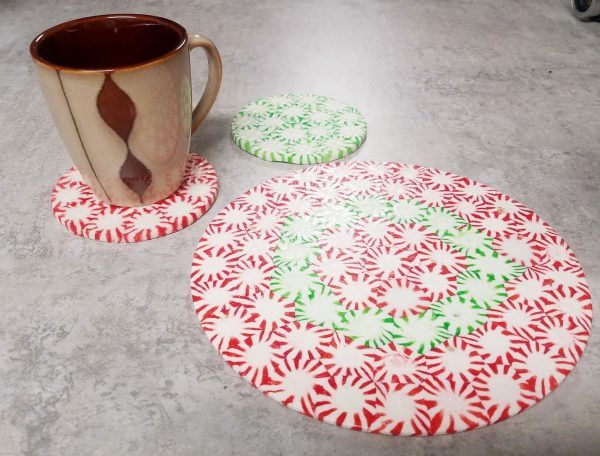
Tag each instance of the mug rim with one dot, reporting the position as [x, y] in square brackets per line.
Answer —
[33, 47]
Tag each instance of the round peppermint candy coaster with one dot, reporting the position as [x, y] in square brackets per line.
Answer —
[391, 298]
[80, 211]
[299, 129]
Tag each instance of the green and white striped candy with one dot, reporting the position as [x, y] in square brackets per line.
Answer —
[406, 211]
[319, 306]
[442, 222]
[301, 229]
[370, 327]
[482, 291]
[299, 129]
[490, 264]
[468, 239]
[295, 254]
[336, 215]
[289, 282]
[421, 332]
[457, 316]
[368, 206]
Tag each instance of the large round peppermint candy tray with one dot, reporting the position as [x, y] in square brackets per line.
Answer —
[391, 298]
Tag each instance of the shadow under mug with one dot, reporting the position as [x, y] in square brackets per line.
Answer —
[119, 89]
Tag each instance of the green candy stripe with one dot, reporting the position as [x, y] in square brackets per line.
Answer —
[318, 306]
[457, 316]
[406, 211]
[421, 332]
[370, 327]
[481, 291]
[490, 264]
[468, 239]
[442, 221]
[479, 287]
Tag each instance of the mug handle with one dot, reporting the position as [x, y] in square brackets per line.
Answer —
[214, 77]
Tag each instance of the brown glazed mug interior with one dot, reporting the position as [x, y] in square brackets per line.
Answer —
[108, 42]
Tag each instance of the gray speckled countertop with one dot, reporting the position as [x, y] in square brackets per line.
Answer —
[100, 349]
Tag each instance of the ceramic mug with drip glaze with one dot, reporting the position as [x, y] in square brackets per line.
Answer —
[119, 89]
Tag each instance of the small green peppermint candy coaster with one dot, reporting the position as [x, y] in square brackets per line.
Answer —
[299, 128]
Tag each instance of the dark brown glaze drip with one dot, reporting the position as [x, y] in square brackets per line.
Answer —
[118, 111]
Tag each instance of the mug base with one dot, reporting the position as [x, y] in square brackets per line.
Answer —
[81, 212]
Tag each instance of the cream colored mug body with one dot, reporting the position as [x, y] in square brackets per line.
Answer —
[119, 90]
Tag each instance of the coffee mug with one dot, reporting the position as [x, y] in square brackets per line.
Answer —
[118, 87]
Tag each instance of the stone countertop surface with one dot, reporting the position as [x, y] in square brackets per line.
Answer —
[100, 349]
